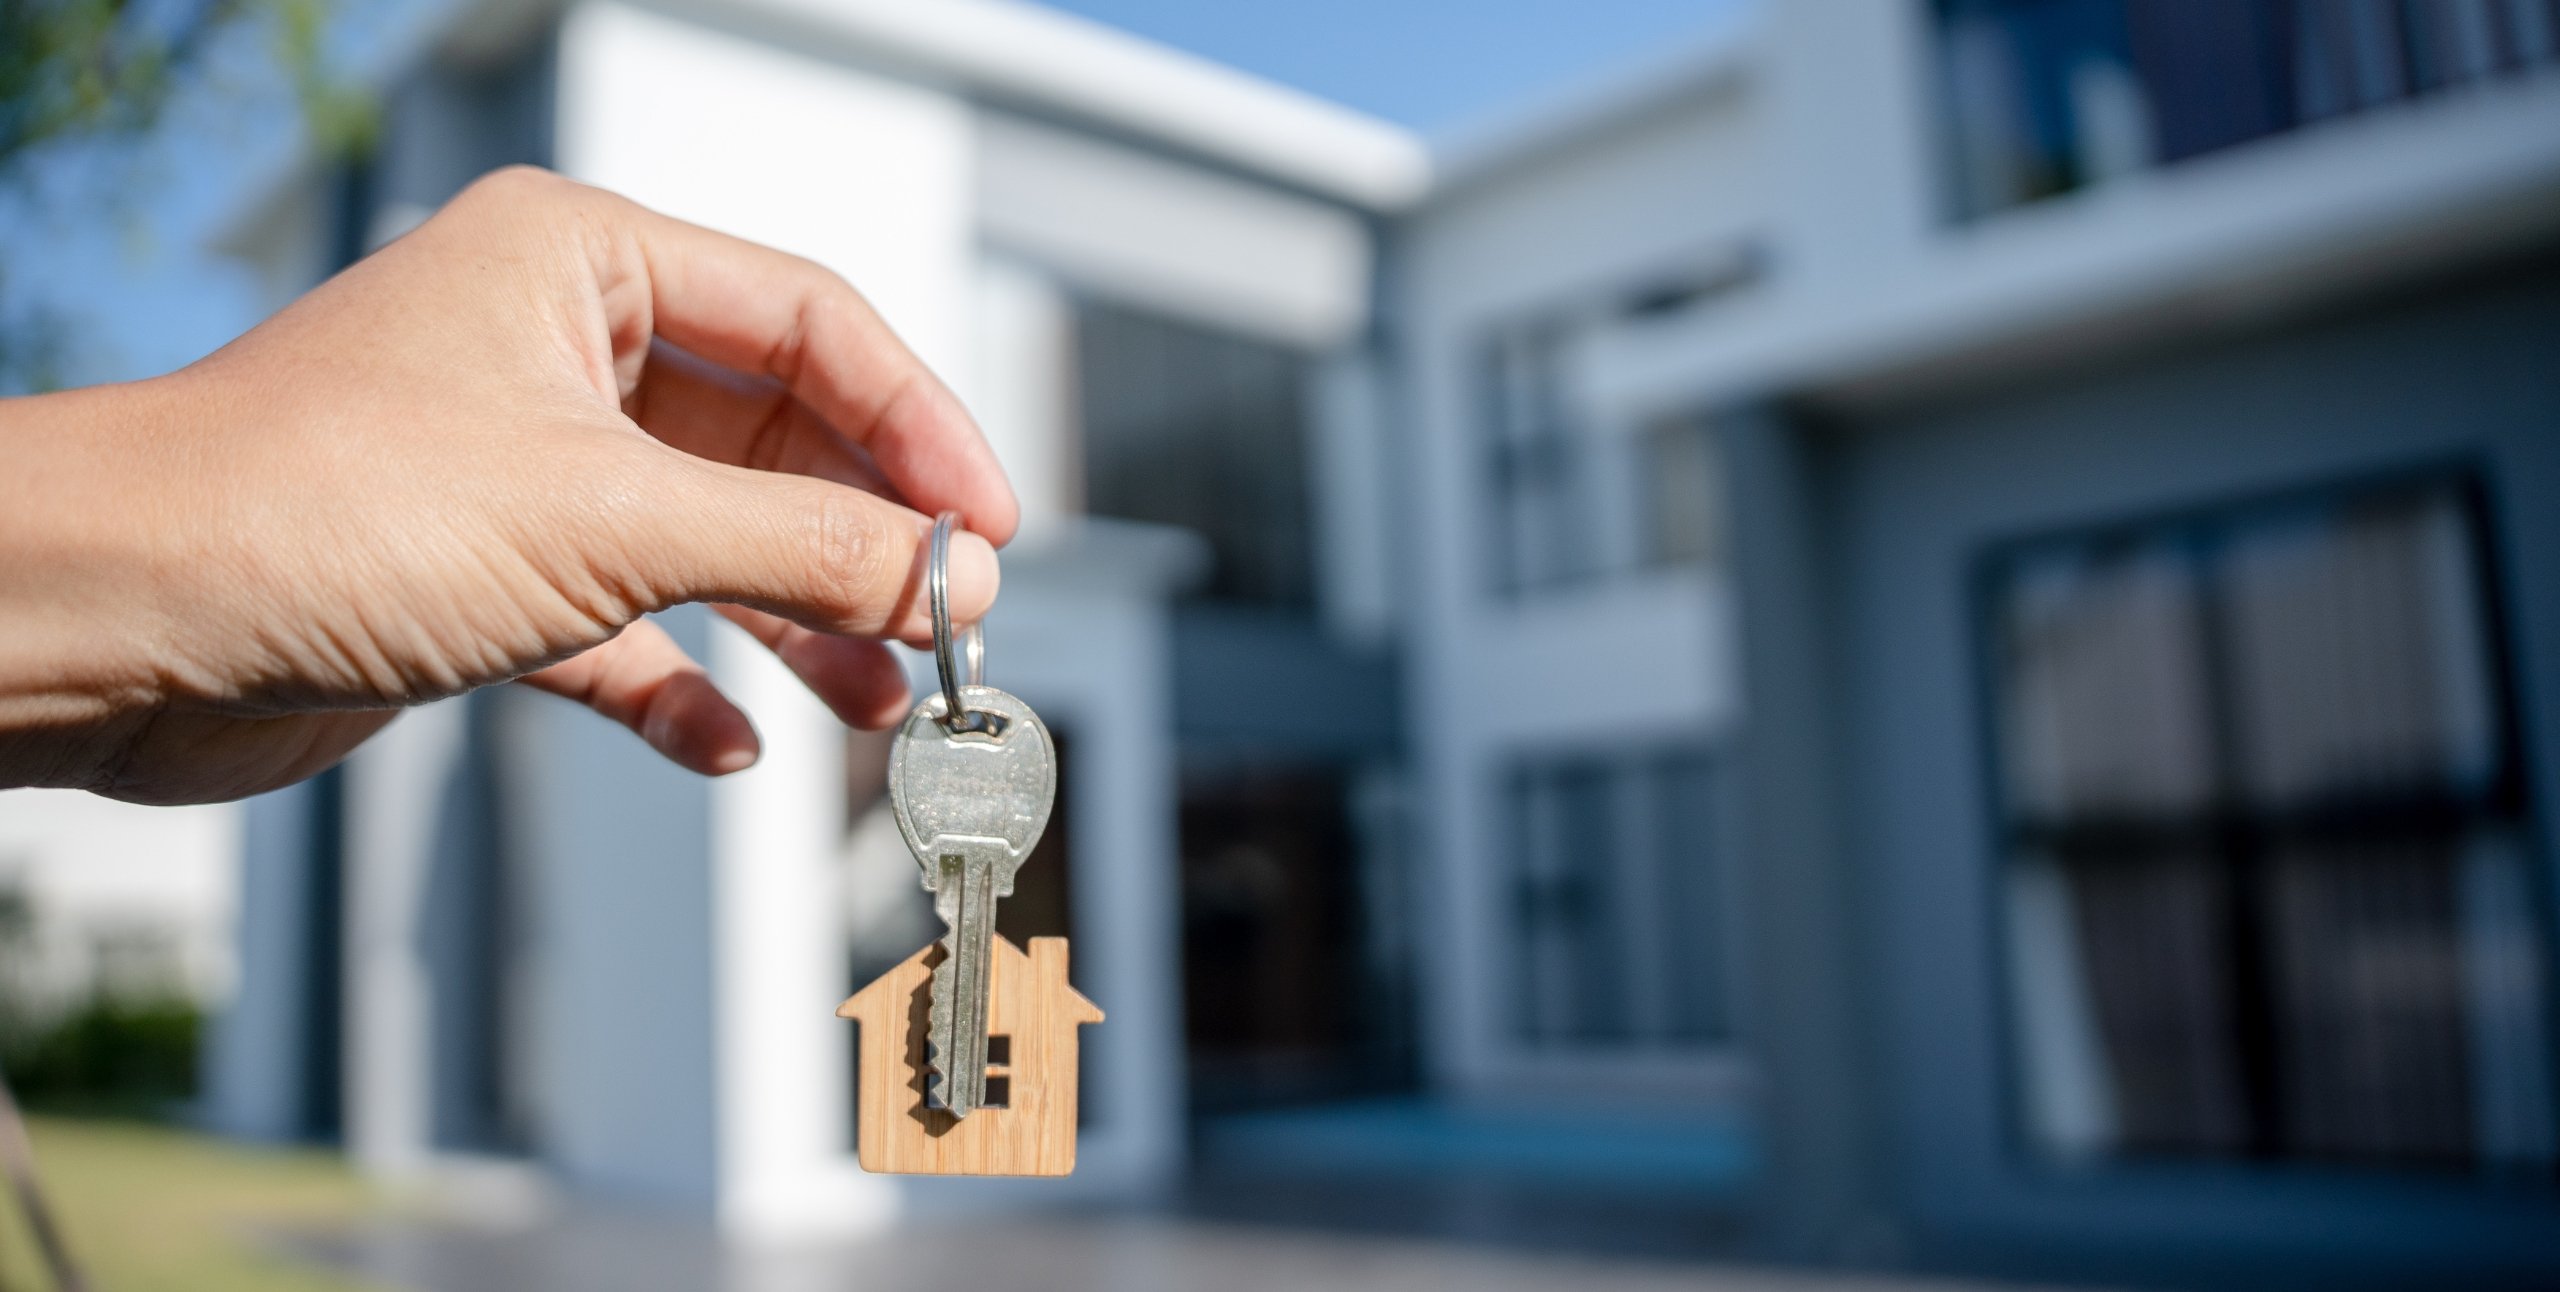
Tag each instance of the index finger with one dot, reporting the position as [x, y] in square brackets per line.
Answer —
[754, 309]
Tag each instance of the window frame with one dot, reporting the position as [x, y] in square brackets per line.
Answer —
[1584, 457]
[1646, 770]
[2199, 529]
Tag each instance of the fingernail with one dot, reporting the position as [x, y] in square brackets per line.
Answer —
[973, 575]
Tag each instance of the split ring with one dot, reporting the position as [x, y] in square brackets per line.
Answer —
[937, 583]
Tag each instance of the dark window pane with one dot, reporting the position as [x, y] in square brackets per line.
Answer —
[2267, 889]
[2104, 708]
[2162, 984]
[2217, 71]
[1285, 995]
[2370, 1000]
[1682, 477]
[1185, 426]
[2045, 96]
[2357, 657]
[1617, 901]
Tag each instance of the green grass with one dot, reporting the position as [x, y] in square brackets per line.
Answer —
[151, 1209]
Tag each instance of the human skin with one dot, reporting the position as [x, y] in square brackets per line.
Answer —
[482, 453]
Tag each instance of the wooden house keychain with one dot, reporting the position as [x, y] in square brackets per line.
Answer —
[969, 1046]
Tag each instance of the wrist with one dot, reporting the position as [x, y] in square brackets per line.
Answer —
[79, 634]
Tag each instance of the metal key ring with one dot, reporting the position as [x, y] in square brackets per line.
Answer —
[937, 585]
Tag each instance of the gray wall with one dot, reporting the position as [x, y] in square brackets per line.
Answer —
[2468, 374]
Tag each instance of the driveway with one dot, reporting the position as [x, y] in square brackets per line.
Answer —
[1102, 1253]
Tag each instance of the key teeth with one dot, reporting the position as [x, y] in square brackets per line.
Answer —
[938, 1004]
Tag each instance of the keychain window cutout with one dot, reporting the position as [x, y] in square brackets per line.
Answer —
[999, 1073]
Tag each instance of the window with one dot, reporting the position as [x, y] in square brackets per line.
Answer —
[1185, 426]
[1294, 972]
[1616, 911]
[1541, 481]
[1572, 501]
[2044, 96]
[2268, 882]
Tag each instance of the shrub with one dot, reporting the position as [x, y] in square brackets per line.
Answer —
[128, 1057]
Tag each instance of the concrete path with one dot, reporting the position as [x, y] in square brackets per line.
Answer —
[1106, 1253]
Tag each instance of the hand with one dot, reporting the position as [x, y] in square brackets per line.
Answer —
[481, 453]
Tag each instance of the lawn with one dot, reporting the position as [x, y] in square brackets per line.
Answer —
[151, 1209]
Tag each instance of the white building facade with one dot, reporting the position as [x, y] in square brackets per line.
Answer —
[1624, 751]
[515, 938]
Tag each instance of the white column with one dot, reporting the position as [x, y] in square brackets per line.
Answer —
[394, 786]
[870, 177]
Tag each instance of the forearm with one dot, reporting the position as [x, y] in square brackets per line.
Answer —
[76, 582]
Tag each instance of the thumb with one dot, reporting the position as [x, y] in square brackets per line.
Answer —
[823, 555]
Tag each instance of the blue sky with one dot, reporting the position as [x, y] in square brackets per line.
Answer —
[1429, 64]
[150, 304]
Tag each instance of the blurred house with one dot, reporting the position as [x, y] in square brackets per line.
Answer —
[511, 934]
[1919, 634]
[2051, 507]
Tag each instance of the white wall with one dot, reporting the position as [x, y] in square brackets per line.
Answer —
[1021, 385]
[1566, 230]
[395, 788]
[872, 178]
[1881, 296]
[1172, 237]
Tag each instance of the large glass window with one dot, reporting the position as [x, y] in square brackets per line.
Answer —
[1205, 430]
[1294, 964]
[2268, 877]
[1616, 910]
[2045, 96]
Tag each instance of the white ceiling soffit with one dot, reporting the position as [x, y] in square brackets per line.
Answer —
[1155, 233]
[1044, 59]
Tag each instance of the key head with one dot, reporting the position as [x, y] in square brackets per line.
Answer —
[995, 782]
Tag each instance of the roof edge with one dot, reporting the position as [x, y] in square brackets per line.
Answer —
[1725, 49]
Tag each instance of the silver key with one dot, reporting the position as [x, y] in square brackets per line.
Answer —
[971, 805]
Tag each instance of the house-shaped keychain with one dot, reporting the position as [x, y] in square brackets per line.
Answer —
[972, 775]
[1027, 1123]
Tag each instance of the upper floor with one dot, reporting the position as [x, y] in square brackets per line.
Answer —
[1867, 203]
[1177, 294]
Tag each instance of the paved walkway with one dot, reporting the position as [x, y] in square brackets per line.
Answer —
[1111, 1253]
